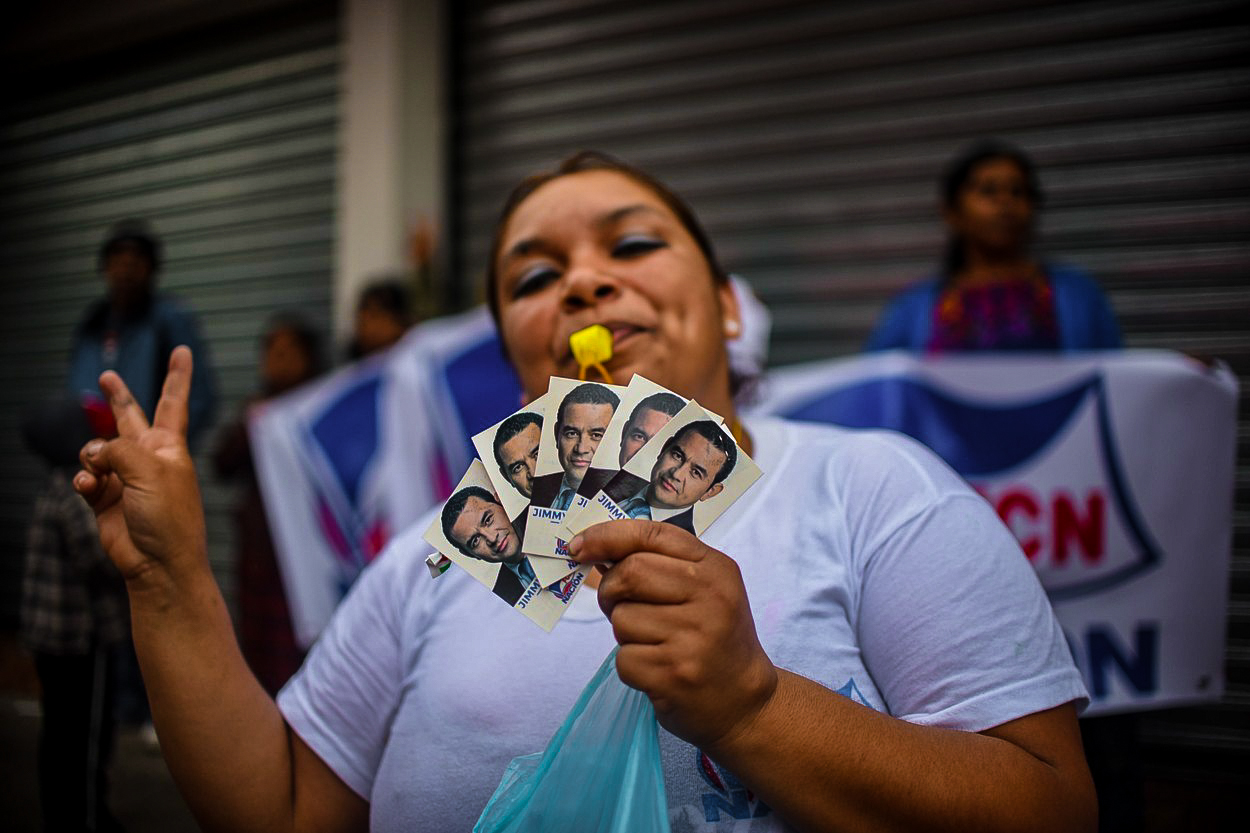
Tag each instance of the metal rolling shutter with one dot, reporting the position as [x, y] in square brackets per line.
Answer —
[231, 156]
[809, 137]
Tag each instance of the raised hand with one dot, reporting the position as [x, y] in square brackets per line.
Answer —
[142, 484]
[679, 611]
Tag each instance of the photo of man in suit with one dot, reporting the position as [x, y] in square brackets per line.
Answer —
[477, 525]
[692, 467]
[516, 449]
[581, 421]
[648, 417]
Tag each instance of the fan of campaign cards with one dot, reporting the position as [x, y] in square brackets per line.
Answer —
[580, 454]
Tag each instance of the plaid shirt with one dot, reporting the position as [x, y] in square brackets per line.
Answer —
[72, 595]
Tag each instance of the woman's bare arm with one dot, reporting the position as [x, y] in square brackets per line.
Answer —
[821, 761]
[234, 758]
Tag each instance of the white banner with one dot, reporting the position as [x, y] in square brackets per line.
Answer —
[1113, 470]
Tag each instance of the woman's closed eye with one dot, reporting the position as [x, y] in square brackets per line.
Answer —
[635, 245]
[533, 279]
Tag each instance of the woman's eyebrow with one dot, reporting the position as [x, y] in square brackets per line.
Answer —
[616, 215]
[523, 247]
[528, 245]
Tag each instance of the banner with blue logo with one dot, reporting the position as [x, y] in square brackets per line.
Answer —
[347, 461]
[1114, 471]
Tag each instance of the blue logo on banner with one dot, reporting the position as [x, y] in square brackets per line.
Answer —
[974, 439]
[347, 433]
[344, 442]
[980, 440]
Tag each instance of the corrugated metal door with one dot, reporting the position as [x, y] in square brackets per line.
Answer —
[235, 169]
[809, 137]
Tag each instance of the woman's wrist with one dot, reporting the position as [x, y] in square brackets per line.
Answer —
[764, 696]
[175, 583]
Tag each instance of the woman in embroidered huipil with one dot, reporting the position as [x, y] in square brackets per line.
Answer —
[992, 292]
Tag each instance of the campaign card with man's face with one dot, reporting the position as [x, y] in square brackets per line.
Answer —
[576, 419]
[474, 532]
[686, 475]
[645, 408]
[509, 450]
[509, 453]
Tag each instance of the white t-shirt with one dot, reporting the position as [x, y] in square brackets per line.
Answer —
[871, 568]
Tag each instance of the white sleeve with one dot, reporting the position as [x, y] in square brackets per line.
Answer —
[954, 626]
[342, 700]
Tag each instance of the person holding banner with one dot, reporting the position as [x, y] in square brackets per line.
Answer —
[291, 355]
[992, 292]
[894, 666]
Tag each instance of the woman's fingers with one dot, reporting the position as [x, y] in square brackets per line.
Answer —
[171, 410]
[126, 411]
[123, 457]
[613, 540]
[643, 624]
[99, 490]
[647, 577]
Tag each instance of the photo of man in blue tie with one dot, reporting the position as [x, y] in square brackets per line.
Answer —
[581, 421]
[691, 467]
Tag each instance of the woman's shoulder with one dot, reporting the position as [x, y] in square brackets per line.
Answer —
[399, 576]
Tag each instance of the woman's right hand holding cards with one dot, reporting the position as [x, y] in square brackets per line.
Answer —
[680, 613]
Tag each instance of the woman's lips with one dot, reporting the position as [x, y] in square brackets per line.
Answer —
[620, 332]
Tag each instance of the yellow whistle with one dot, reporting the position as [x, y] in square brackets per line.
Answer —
[592, 347]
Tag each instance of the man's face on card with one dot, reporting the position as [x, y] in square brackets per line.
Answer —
[577, 437]
[640, 429]
[684, 472]
[483, 531]
[519, 455]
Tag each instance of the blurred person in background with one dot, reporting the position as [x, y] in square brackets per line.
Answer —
[992, 292]
[74, 618]
[291, 354]
[132, 330]
[383, 315]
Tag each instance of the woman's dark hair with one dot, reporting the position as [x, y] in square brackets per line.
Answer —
[956, 175]
[589, 160]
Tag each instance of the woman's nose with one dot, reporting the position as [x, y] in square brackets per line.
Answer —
[587, 285]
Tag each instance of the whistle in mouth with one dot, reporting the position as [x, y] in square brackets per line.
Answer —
[592, 346]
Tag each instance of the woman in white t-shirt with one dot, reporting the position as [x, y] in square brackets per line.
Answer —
[932, 719]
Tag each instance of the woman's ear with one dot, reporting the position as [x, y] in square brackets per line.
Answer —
[730, 312]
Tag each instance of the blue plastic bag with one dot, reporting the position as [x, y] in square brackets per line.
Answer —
[600, 773]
